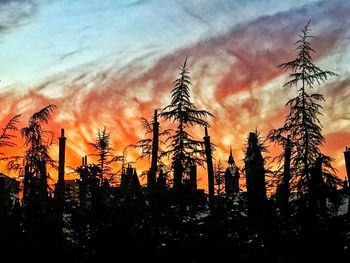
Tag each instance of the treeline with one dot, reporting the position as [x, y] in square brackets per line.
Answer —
[108, 215]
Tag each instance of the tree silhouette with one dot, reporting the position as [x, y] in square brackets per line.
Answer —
[36, 137]
[151, 147]
[123, 160]
[104, 150]
[183, 146]
[219, 176]
[39, 220]
[5, 141]
[37, 141]
[145, 145]
[6, 136]
[302, 123]
[102, 221]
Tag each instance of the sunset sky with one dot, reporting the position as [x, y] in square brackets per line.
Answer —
[109, 63]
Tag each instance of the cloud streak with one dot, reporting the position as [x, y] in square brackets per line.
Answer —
[15, 13]
[235, 76]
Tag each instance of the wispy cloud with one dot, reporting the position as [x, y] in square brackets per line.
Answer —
[14, 13]
[235, 76]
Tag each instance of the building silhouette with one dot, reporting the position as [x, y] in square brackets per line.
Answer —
[130, 183]
[231, 176]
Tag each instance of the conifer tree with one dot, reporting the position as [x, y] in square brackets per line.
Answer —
[302, 124]
[104, 150]
[183, 146]
[37, 140]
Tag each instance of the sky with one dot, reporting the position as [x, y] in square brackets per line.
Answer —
[109, 63]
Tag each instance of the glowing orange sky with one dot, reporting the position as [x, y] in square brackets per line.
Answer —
[234, 76]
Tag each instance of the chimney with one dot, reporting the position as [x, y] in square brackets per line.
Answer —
[61, 157]
[151, 177]
[61, 166]
[209, 160]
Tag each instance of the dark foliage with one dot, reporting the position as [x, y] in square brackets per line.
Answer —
[302, 124]
[183, 112]
[130, 223]
[145, 145]
[37, 139]
[102, 146]
[6, 136]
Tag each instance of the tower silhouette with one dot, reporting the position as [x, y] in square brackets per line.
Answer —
[231, 176]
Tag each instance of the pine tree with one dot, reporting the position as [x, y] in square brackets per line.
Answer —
[302, 124]
[39, 221]
[183, 146]
[37, 140]
[104, 150]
